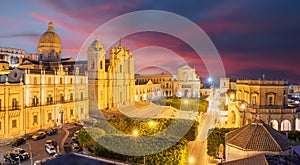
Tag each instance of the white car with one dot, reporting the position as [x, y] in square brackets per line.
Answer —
[38, 162]
[76, 133]
[75, 147]
[22, 153]
[51, 150]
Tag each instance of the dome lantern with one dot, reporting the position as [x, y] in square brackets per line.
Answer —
[51, 27]
[49, 46]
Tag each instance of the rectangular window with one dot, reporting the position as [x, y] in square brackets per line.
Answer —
[14, 124]
[71, 112]
[14, 103]
[71, 96]
[253, 100]
[49, 99]
[270, 100]
[60, 80]
[62, 99]
[120, 68]
[93, 65]
[35, 119]
[71, 81]
[34, 80]
[81, 96]
[49, 116]
[81, 110]
[35, 101]
[49, 80]
[81, 81]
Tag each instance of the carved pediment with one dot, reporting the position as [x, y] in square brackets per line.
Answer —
[14, 113]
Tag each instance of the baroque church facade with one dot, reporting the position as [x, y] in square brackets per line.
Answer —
[188, 82]
[111, 81]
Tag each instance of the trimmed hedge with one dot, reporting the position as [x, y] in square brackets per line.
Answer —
[186, 104]
[176, 154]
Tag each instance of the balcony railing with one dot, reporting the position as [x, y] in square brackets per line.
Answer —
[17, 107]
[276, 111]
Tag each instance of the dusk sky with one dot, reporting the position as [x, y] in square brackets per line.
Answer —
[252, 37]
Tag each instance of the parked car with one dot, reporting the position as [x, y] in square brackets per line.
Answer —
[51, 150]
[75, 147]
[74, 140]
[57, 155]
[18, 142]
[78, 123]
[50, 143]
[52, 131]
[76, 133]
[38, 162]
[22, 153]
[39, 135]
[11, 157]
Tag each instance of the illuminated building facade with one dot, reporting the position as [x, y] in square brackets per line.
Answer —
[267, 98]
[147, 91]
[111, 81]
[168, 83]
[188, 82]
[44, 94]
[13, 56]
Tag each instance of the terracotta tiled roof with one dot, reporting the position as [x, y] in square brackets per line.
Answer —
[257, 136]
[253, 160]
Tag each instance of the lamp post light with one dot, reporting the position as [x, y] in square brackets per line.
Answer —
[232, 96]
[210, 80]
[151, 123]
[191, 160]
[135, 133]
[243, 107]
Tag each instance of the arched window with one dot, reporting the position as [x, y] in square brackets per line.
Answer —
[286, 125]
[93, 65]
[274, 124]
[233, 117]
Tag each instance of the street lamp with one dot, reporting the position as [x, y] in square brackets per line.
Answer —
[243, 107]
[232, 96]
[151, 123]
[210, 80]
[186, 101]
[135, 133]
[191, 160]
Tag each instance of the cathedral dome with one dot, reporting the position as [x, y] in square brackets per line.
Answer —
[49, 42]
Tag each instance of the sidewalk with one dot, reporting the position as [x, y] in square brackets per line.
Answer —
[5, 142]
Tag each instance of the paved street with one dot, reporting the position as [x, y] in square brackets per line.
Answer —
[155, 111]
[37, 148]
[198, 148]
